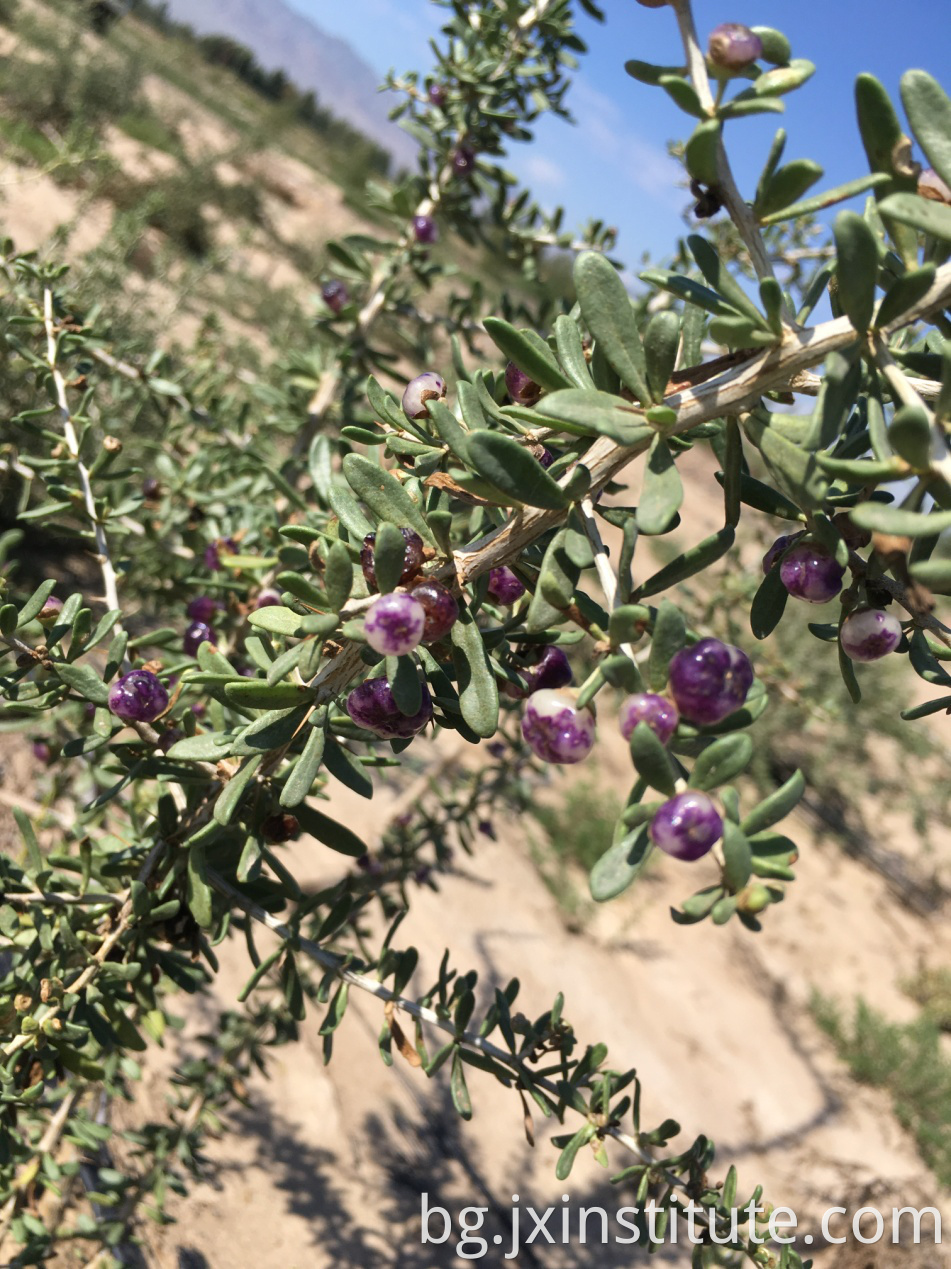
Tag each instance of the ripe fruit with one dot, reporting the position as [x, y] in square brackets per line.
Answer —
[395, 625]
[371, 705]
[555, 729]
[733, 46]
[425, 387]
[440, 608]
[42, 752]
[709, 680]
[196, 634]
[551, 671]
[504, 586]
[522, 389]
[687, 826]
[869, 634]
[150, 488]
[412, 557]
[436, 95]
[335, 295]
[463, 161]
[277, 829]
[659, 713]
[267, 599]
[214, 549]
[202, 608]
[425, 230]
[809, 572]
[776, 550]
[138, 697]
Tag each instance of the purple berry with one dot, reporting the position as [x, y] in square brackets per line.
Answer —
[202, 608]
[267, 599]
[709, 680]
[657, 712]
[556, 729]
[138, 697]
[412, 557]
[463, 161]
[196, 634]
[733, 46]
[425, 230]
[395, 625]
[869, 634]
[42, 752]
[776, 550]
[550, 672]
[425, 387]
[213, 552]
[930, 185]
[151, 488]
[810, 573]
[335, 295]
[440, 608]
[522, 389]
[371, 706]
[687, 826]
[436, 95]
[504, 586]
[546, 457]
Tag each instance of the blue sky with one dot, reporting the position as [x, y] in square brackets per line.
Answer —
[613, 163]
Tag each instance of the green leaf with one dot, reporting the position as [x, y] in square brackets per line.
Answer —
[326, 830]
[271, 730]
[929, 111]
[769, 604]
[793, 468]
[857, 267]
[920, 213]
[882, 517]
[34, 605]
[559, 574]
[847, 670]
[458, 1088]
[910, 435]
[403, 678]
[690, 290]
[722, 280]
[338, 575]
[229, 798]
[903, 293]
[661, 342]
[448, 426]
[809, 206]
[347, 768]
[648, 72]
[606, 309]
[530, 353]
[935, 574]
[764, 498]
[347, 510]
[691, 562]
[787, 186]
[384, 495]
[669, 636]
[210, 746]
[478, 688]
[775, 807]
[662, 491]
[512, 469]
[199, 893]
[702, 152]
[683, 94]
[783, 79]
[258, 694]
[84, 680]
[595, 413]
[777, 50]
[620, 865]
[651, 760]
[571, 351]
[737, 857]
[389, 556]
[721, 762]
[300, 781]
[277, 620]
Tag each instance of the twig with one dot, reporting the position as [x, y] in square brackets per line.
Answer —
[602, 562]
[905, 392]
[54, 1131]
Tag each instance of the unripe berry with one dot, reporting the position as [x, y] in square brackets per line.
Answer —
[659, 713]
[440, 608]
[138, 697]
[687, 827]
[930, 185]
[202, 608]
[504, 586]
[335, 295]
[709, 681]
[551, 671]
[733, 46]
[555, 728]
[425, 230]
[522, 389]
[810, 573]
[371, 706]
[196, 634]
[776, 550]
[50, 611]
[395, 625]
[425, 387]
[412, 557]
[868, 634]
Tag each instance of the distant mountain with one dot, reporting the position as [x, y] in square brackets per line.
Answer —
[284, 40]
